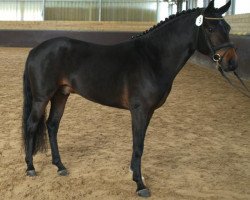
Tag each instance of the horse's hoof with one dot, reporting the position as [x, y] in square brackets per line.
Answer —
[31, 173]
[143, 193]
[63, 172]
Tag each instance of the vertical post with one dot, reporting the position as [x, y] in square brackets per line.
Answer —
[170, 9]
[231, 10]
[43, 11]
[90, 11]
[233, 7]
[179, 5]
[187, 4]
[22, 9]
[205, 3]
[195, 3]
[17, 18]
[157, 11]
[100, 11]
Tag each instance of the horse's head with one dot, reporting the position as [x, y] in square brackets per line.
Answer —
[213, 38]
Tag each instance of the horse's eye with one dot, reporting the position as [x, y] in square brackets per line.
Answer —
[210, 29]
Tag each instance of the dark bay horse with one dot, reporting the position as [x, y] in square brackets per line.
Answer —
[136, 75]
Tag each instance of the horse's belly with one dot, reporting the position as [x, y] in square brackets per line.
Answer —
[104, 93]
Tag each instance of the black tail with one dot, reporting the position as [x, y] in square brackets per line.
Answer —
[39, 140]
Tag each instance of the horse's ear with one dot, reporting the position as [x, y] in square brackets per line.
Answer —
[224, 8]
[210, 6]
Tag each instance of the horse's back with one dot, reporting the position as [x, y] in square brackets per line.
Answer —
[62, 50]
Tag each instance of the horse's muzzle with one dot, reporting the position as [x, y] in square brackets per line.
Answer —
[229, 61]
[230, 66]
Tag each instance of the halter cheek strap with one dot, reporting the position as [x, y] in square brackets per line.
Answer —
[224, 45]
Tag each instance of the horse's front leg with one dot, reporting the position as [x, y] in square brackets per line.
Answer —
[140, 120]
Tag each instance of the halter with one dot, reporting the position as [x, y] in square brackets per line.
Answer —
[216, 57]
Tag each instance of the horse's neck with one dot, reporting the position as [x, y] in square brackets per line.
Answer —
[174, 44]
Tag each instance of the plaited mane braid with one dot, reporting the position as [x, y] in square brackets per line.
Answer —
[162, 22]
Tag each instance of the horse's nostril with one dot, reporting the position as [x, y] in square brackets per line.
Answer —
[232, 64]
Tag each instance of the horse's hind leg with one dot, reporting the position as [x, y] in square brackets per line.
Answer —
[35, 135]
[56, 111]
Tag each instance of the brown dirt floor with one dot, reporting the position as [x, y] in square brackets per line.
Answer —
[197, 144]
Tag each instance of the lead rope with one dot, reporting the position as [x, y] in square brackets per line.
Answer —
[237, 76]
[231, 83]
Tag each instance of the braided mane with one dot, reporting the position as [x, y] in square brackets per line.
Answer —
[163, 22]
